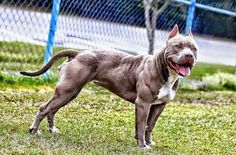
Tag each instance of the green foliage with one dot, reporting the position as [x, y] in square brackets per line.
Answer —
[219, 81]
[203, 69]
[98, 122]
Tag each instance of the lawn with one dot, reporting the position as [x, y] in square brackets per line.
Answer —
[15, 56]
[98, 122]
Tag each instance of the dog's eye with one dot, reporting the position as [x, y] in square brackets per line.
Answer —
[178, 47]
[193, 48]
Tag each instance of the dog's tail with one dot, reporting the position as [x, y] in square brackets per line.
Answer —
[65, 53]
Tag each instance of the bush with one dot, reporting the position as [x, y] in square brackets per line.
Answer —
[219, 81]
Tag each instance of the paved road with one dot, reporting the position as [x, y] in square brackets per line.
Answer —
[75, 32]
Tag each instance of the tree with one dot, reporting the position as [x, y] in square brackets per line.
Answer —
[152, 10]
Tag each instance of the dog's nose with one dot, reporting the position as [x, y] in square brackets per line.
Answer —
[189, 57]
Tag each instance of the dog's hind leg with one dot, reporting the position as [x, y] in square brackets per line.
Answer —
[72, 79]
[61, 97]
[52, 113]
[51, 125]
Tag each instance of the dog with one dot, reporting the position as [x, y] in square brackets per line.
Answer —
[150, 81]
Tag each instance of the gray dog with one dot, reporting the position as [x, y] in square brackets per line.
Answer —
[149, 82]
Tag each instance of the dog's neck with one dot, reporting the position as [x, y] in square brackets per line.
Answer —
[161, 65]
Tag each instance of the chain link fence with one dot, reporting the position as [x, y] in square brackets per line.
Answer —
[107, 24]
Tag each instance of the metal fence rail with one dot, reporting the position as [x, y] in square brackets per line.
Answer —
[30, 31]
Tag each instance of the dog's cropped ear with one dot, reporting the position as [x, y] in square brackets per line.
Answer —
[173, 32]
[190, 32]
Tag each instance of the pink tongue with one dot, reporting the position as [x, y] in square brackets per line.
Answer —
[185, 71]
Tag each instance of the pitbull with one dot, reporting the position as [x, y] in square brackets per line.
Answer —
[150, 82]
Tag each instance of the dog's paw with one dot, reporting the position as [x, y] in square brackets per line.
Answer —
[54, 130]
[34, 131]
[151, 143]
[144, 148]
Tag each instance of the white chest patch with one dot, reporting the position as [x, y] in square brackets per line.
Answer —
[166, 92]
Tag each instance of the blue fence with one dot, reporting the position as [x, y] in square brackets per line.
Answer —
[192, 5]
[30, 31]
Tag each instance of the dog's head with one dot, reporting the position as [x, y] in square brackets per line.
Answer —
[181, 52]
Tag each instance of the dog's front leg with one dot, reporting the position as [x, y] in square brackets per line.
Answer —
[141, 115]
[154, 114]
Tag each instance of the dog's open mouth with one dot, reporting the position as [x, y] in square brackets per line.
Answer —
[182, 69]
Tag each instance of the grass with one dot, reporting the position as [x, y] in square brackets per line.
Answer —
[16, 56]
[10, 80]
[98, 122]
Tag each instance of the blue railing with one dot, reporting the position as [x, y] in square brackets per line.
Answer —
[209, 8]
[192, 5]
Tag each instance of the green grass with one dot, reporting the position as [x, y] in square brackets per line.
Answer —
[17, 56]
[14, 80]
[98, 122]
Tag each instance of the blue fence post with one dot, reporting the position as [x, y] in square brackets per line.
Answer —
[52, 30]
[190, 17]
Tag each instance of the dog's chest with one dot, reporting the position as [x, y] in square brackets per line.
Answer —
[166, 92]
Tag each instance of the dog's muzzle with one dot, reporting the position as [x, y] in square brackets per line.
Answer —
[183, 65]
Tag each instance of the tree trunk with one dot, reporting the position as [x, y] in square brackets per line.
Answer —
[152, 12]
[147, 11]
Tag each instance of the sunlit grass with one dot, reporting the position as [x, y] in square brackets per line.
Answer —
[98, 122]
